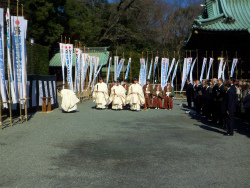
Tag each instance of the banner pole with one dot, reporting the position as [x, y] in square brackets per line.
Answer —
[158, 69]
[236, 67]
[80, 69]
[206, 65]
[197, 62]
[123, 66]
[130, 69]
[212, 65]
[18, 76]
[227, 64]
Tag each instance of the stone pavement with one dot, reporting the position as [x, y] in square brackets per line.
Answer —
[115, 149]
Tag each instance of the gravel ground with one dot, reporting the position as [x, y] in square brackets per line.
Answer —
[115, 149]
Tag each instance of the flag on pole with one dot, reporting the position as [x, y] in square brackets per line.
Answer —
[68, 60]
[174, 73]
[210, 65]
[203, 68]
[2, 69]
[186, 69]
[223, 71]
[109, 67]
[171, 67]
[155, 65]
[120, 66]
[115, 67]
[91, 71]
[150, 68]
[142, 76]
[167, 66]
[77, 69]
[12, 87]
[235, 61]
[191, 71]
[128, 67]
[62, 51]
[163, 71]
[220, 68]
[96, 76]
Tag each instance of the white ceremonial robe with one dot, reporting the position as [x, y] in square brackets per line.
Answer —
[117, 97]
[69, 100]
[100, 95]
[135, 97]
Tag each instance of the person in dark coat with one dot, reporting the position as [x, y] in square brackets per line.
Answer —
[189, 92]
[214, 102]
[198, 92]
[221, 92]
[246, 103]
[229, 108]
[207, 110]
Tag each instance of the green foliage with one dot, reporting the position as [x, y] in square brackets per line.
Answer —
[40, 59]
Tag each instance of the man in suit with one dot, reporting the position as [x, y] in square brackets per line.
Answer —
[221, 92]
[189, 92]
[232, 81]
[207, 110]
[198, 91]
[229, 108]
[214, 107]
[148, 90]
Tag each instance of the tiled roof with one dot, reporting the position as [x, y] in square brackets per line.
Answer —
[56, 60]
[225, 15]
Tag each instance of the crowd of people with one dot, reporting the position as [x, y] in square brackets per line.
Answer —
[116, 96]
[219, 100]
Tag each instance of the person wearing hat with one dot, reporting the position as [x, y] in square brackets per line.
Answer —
[100, 94]
[117, 96]
[110, 87]
[168, 94]
[148, 90]
[158, 95]
[135, 96]
[126, 86]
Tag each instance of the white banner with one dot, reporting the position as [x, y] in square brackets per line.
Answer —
[68, 59]
[171, 67]
[210, 65]
[109, 67]
[155, 65]
[19, 28]
[186, 69]
[12, 87]
[62, 52]
[220, 68]
[174, 73]
[128, 67]
[203, 68]
[96, 76]
[2, 69]
[77, 69]
[223, 71]
[115, 67]
[191, 71]
[91, 71]
[142, 77]
[234, 64]
[163, 72]
[150, 68]
[166, 70]
[119, 69]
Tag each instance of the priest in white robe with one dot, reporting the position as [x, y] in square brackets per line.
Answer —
[69, 100]
[117, 96]
[135, 96]
[100, 94]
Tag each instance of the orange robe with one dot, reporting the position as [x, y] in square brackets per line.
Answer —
[157, 101]
[168, 101]
[148, 90]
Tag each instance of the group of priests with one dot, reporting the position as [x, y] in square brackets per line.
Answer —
[116, 96]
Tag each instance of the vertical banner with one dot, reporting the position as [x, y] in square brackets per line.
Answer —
[155, 65]
[163, 72]
[150, 68]
[68, 59]
[91, 71]
[184, 71]
[119, 69]
[142, 79]
[109, 67]
[96, 76]
[235, 61]
[223, 71]
[174, 73]
[19, 27]
[220, 68]
[96, 63]
[2, 69]
[128, 67]
[83, 70]
[203, 68]
[171, 67]
[167, 66]
[77, 69]
[191, 71]
[62, 52]
[115, 67]
[12, 87]
[210, 65]
[146, 69]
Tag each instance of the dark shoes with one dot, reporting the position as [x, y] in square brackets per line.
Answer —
[226, 134]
